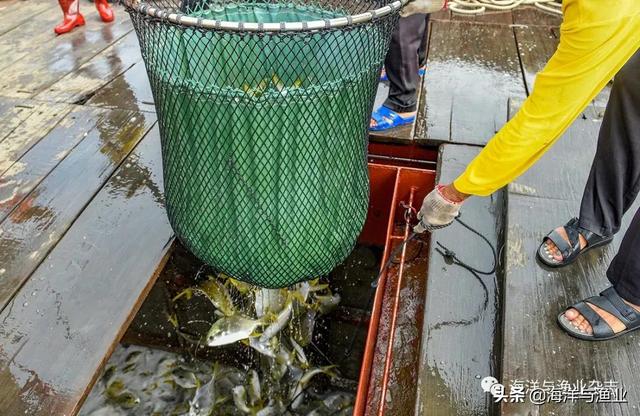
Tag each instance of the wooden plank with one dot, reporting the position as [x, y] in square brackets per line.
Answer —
[13, 112]
[129, 91]
[530, 15]
[497, 17]
[16, 13]
[64, 54]
[41, 119]
[541, 200]
[19, 180]
[16, 45]
[442, 15]
[82, 298]
[461, 331]
[80, 85]
[45, 214]
[473, 71]
[536, 44]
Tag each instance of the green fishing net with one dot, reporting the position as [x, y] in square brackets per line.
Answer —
[264, 134]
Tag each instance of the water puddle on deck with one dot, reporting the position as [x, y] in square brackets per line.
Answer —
[307, 364]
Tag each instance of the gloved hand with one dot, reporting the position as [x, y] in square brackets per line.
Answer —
[423, 6]
[437, 211]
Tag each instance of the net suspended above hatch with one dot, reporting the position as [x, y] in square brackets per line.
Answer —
[264, 110]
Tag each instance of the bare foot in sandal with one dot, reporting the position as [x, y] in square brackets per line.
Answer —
[612, 324]
[563, 245]
[553, 250]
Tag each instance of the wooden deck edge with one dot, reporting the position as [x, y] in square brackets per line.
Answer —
[123, 329]
[461, 340]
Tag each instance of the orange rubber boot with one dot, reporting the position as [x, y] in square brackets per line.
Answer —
[72, 16]
[105, 11]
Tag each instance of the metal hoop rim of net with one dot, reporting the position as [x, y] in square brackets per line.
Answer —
[314, 25]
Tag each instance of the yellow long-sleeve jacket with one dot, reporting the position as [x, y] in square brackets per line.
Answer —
[597, 37]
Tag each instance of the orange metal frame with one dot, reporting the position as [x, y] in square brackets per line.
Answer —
[394, 185]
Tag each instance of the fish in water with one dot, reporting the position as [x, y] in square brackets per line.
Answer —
[203, 401]
[302, 358]
[281, 320]
[206, 397]
[326, 303]
[218, 295]
[314, 372]
[230, 329]
[265, 348]
[185, 378]
[296, 393]
[116, 393]
[242, 287]
[240, 399]
[253, 388]
[336, 402]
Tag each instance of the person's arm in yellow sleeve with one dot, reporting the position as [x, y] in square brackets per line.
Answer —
[597, 38]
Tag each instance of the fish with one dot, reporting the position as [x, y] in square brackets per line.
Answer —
[296, 394]
[284, 356]
[115, 392]
[303, 325]
[240, 399]
[218, 295]
[277, 83]
[126, 400]
[172, 319]
[270, 411]
[316, 286]
[338, 401]
[108, 373]
[306, 378]
[326, 303]
[281, 320]
[203, 401]
[303, 289]
[277, 370]
[230, 329]
[186, 293]
[114, 388]
[129, 368]
[132, 356]
[263, 347]
[242, 287]
[302, 358]
[185, 379]
[268, 300]
[253, 388]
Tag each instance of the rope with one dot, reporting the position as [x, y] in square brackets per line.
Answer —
[475, 7]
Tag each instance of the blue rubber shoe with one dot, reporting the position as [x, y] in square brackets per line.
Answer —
[386, 119]
[385, 78]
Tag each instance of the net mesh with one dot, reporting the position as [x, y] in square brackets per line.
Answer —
[264, 134]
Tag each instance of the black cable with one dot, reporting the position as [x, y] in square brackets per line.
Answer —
[454, 259]
[450, 254]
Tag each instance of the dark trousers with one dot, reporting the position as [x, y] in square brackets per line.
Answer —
[407, 53]
[614, 180]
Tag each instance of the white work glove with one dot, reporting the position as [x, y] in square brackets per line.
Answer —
[423, 6]
[436, 212]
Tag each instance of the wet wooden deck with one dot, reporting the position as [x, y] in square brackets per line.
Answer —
[83, 231]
